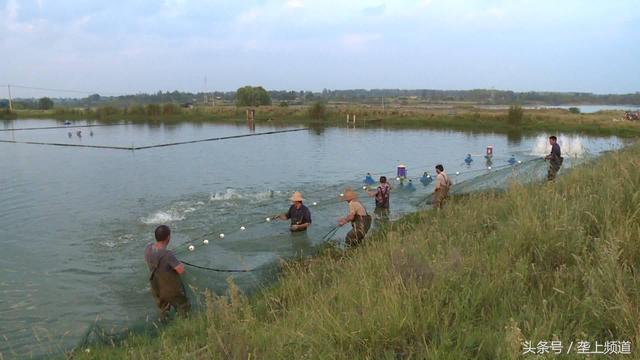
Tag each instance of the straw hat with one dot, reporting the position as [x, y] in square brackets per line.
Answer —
[297, 196]
[349, 195]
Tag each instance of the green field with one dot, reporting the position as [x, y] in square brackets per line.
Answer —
[542, 262]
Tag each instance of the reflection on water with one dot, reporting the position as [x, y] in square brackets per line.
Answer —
[74, 221]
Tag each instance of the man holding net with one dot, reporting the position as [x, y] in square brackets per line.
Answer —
[441, 191]
[555, 158]
[166, 286]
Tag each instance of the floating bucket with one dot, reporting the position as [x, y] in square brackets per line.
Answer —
[489, 152]
[402, 172]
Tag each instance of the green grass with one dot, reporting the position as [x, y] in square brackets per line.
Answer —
[8, 115]
[553, 261]
[463, 118]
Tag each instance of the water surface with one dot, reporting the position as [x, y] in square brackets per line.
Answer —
[74, 221]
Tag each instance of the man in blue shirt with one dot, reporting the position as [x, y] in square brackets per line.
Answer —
[555, 158]
[299, 214]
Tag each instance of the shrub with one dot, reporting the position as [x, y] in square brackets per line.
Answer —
[153, 110]
[515, 114]
[318, 110]
[170, 109]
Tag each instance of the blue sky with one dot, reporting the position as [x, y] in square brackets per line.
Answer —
[145, 46]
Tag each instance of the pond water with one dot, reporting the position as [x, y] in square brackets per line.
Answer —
[74, 221]
[585, 109]
[588, 109]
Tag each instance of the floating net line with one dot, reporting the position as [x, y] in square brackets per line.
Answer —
[70, 126]
[132, 148]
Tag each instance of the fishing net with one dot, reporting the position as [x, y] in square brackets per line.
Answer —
[327, 202]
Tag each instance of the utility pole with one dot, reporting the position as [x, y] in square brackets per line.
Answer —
[383, 103]
[10, 104]
[205, 91]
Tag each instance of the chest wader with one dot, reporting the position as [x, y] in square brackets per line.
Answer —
[382, 198]
[360, 227]
[167, 290]
[440, 195]
[554, 166]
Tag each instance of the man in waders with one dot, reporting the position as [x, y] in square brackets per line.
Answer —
[382, 195]
[441, 191]
[360, 220]
[166, 286]
[555, 158]
[298, 213]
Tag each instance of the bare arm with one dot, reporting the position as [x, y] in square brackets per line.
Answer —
[179, 269]
[346, 219]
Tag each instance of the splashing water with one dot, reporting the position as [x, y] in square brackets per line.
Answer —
[233, 194]
[569, 145]
[176, 212]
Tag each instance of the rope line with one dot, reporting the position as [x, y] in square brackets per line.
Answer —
[217, 270]
[67, 145]
[218, 138]
[62, 127]
[131, 148]
[330, 234]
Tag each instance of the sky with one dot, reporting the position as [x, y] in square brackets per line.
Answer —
[133, 46]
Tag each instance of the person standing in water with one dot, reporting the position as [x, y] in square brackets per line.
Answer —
[443, 185]
[166, 286]
[357, 216]
[382, 195]
[555, 158]
[298, 213]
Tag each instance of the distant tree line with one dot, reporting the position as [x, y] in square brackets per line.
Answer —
[254, 96]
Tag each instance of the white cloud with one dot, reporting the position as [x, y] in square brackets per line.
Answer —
[295, 4]
[11, 21]
[173, 8]
[248, 17]
[359, 41]
[424, 3]
[11, 14]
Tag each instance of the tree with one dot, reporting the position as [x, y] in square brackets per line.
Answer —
[318, 110]
[45, 103]
[515, 114]
[252, 96]
[574, 110]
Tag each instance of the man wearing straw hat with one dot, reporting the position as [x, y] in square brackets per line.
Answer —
[298, 213]
[358, 217]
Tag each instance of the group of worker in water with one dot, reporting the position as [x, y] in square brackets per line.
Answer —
[168, 291]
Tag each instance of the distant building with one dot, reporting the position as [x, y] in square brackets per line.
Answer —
[187, 105]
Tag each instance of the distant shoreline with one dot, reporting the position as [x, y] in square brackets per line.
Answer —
[452, 117]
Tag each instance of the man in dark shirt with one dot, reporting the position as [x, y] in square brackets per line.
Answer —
[299, 214]
[555, 158]
[166, 286]
[382, 198]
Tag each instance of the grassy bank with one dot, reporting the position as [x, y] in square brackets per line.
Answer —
[539, 262]
[465, 118]
[8, 115]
